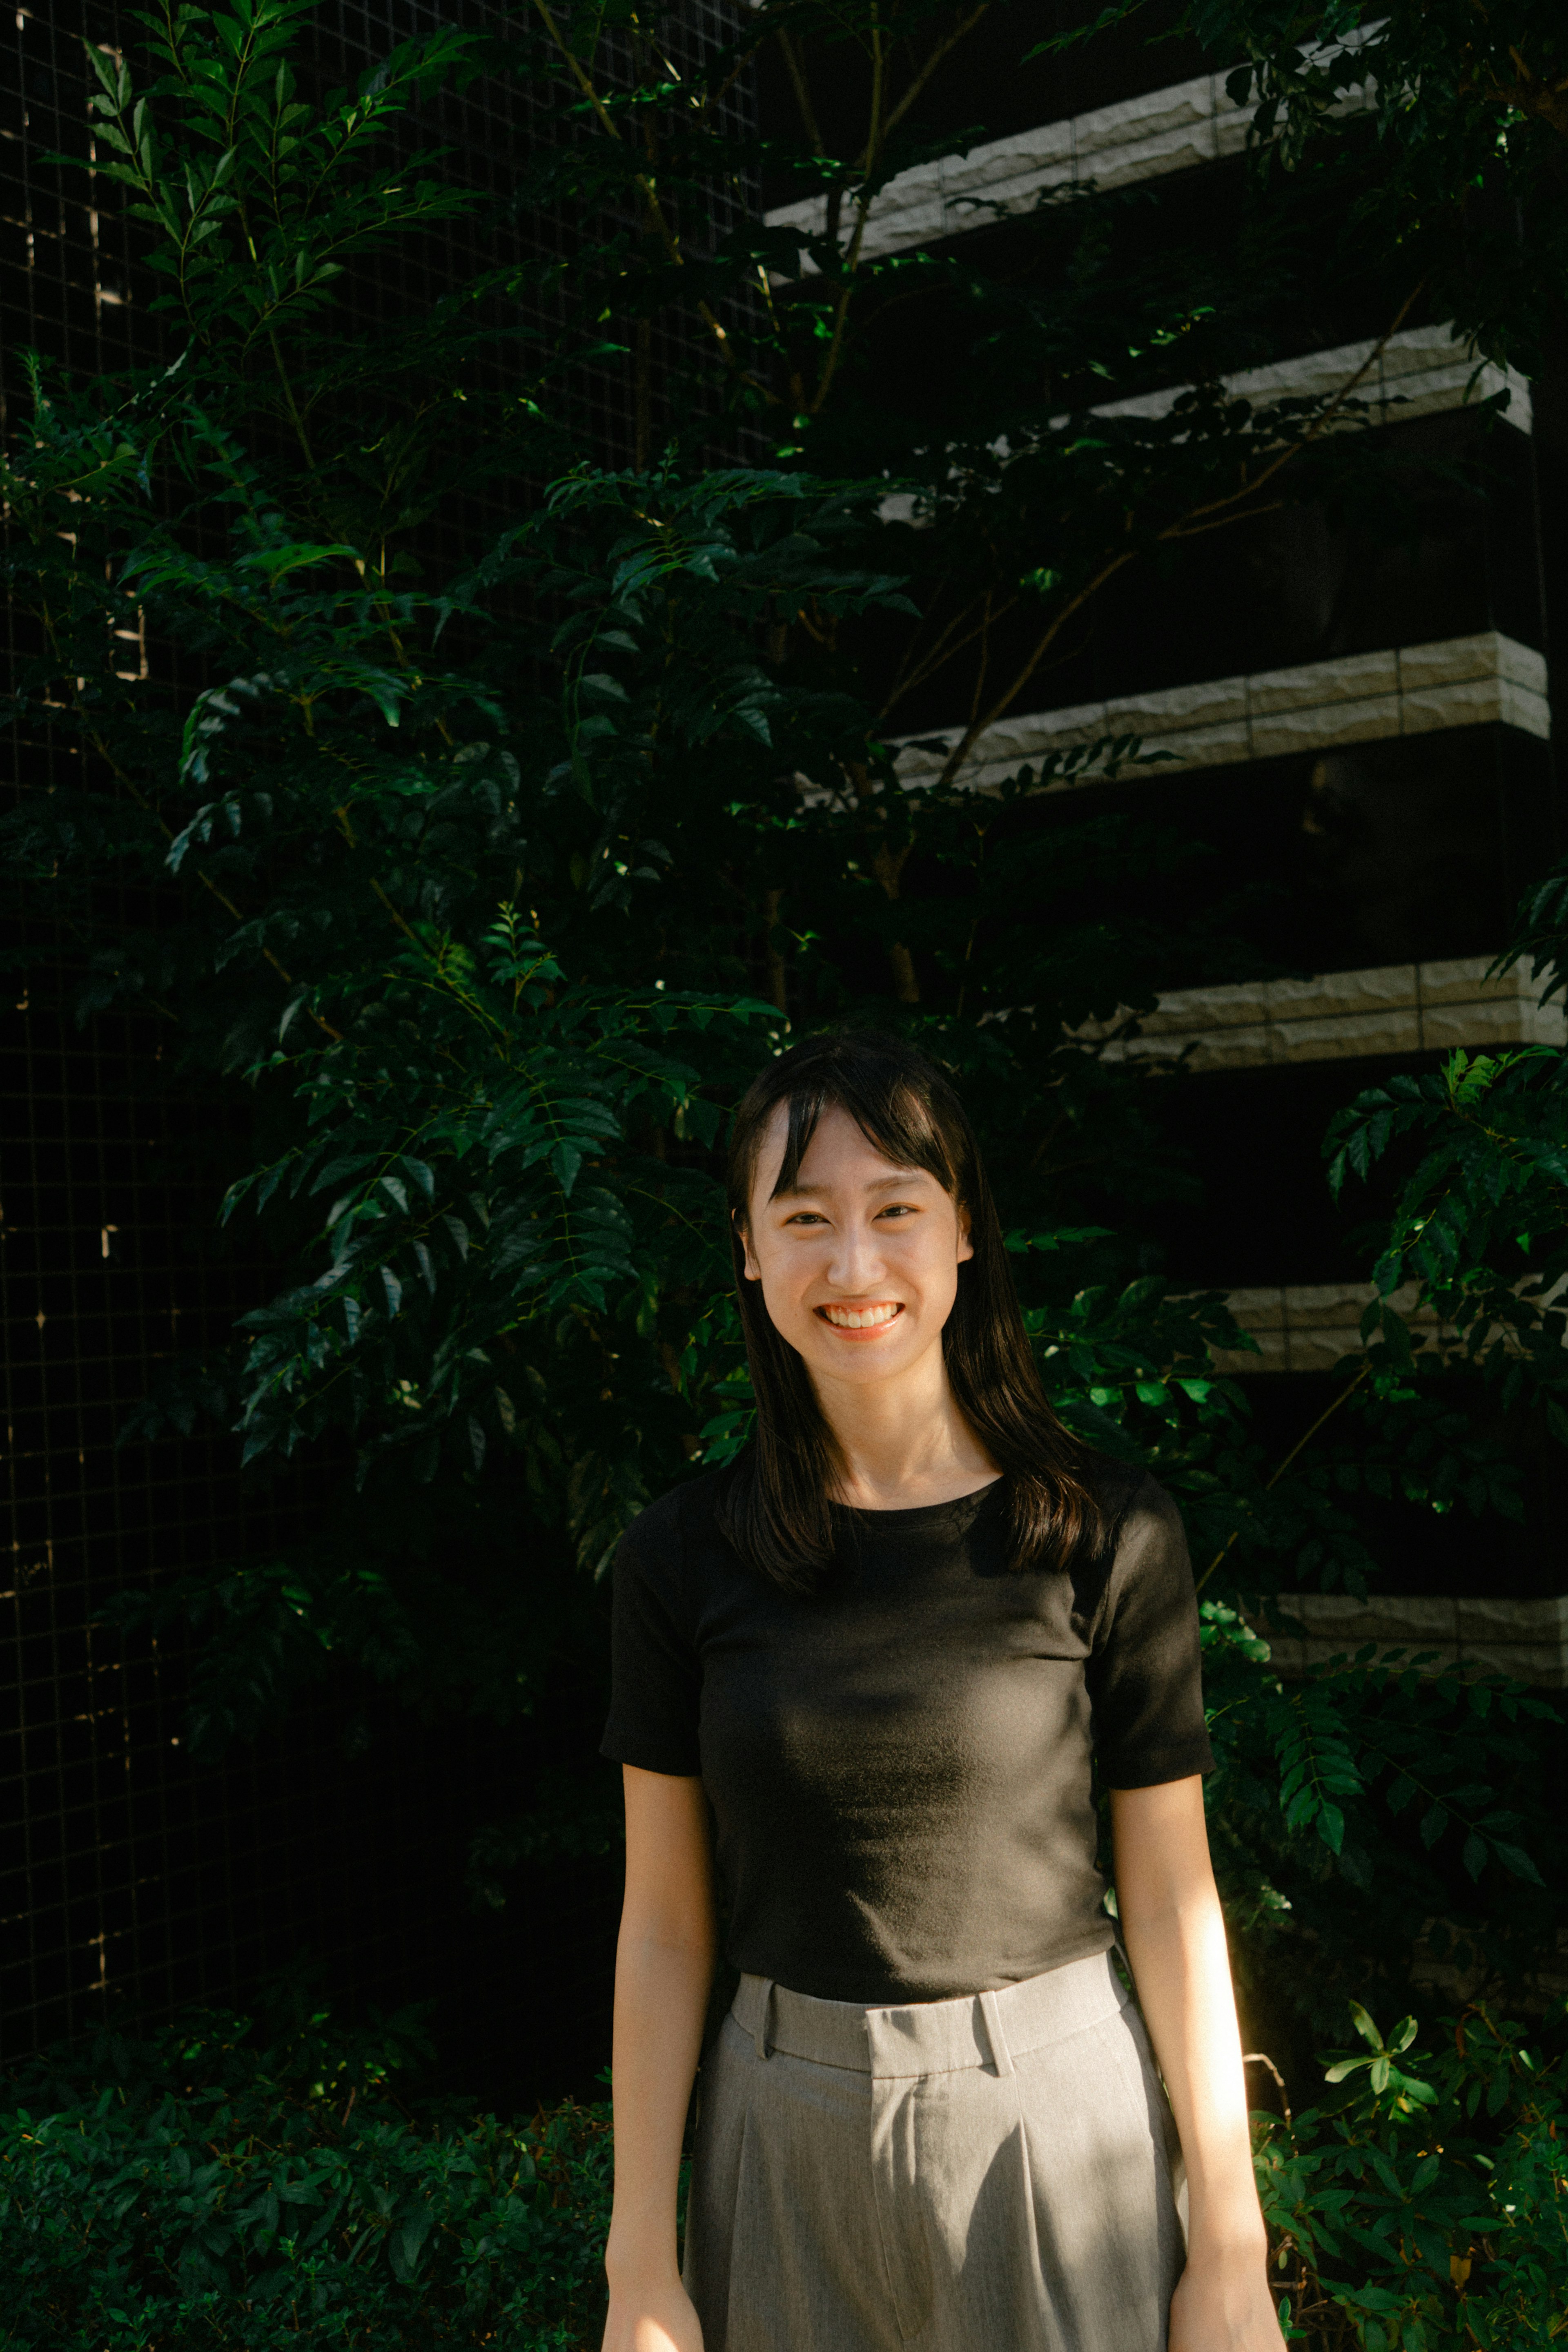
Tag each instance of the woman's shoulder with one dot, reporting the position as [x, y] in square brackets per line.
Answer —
[1141, 1530]
[1131, 1503]
[679, 1527]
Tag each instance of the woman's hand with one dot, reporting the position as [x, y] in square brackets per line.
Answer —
[661, 2320]
[1223, 2303]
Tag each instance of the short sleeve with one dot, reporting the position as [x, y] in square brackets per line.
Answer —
[1145, 1677]
[656, 1678]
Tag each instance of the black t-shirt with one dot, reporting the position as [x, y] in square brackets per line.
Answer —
[899, 1766]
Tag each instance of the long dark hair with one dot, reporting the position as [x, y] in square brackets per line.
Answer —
[775, 1509]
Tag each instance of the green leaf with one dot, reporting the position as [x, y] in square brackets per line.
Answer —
[565, 1160]
[1514, 1858]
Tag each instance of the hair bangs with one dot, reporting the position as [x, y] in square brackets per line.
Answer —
[892, 1117]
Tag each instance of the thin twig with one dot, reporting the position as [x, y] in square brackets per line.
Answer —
[1262, 2058]
[1232, 506]
[795, 66]
[1304, 1440]
[654, 209]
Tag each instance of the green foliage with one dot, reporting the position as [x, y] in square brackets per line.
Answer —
[482, 839]
[1478, 1244]
[1470, 107]
[467, 870]
[1347, 1725]
[258, 199]
[1430, 2211]
[1013, 505]
[211, 2182]
[204, 2184]
[1367, 1792]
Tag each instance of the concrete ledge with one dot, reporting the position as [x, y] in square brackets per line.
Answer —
[1408, 690]
[1421, 371]
[1403, 1008]
[1144, 138]
[1138, 139]
[1307, 1327]
[1526, 1640]
[1311, 1326]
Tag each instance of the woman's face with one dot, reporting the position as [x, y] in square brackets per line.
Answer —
[859, 1263]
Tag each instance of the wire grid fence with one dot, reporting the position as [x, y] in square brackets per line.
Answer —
[127, 1876]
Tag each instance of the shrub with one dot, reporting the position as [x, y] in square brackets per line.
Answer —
[1429, 2212]
[210, 2185]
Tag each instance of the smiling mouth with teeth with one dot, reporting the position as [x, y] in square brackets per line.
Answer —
[862, 1318]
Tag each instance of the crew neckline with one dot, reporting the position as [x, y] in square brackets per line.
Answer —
[906, 1514]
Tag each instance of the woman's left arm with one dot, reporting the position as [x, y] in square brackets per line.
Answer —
[1175, 1934]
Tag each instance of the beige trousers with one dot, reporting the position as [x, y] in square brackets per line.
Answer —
[993, 2174]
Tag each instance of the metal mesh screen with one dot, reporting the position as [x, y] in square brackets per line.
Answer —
[125, 1872]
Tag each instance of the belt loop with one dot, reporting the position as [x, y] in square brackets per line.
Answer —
[1001, 2057]
[764, 2017]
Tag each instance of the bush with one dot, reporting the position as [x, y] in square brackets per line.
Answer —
[209, 2185]
[1429, 2212]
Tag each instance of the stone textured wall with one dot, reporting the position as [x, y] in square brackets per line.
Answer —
[1474, 681]
[1526, 1640]
[1402, 1008]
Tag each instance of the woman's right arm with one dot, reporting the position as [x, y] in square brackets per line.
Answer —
[663, 1968]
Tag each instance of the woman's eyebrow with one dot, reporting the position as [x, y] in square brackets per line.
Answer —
[877, 1184]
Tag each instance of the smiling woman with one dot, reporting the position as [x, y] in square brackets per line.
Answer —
[886, 1347]
[823, 1247]
[864, 1679]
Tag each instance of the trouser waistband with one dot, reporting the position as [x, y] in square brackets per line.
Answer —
[931, 2037]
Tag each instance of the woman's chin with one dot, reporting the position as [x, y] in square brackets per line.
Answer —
[876, 1355]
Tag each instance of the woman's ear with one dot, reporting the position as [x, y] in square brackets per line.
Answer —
[966, 1247]
[753, 1271]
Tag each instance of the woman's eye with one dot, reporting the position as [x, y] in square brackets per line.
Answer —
[898, 1209]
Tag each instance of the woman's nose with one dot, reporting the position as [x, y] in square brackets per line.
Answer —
[857, 1259]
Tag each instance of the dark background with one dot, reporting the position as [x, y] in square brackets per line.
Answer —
[131, 1880]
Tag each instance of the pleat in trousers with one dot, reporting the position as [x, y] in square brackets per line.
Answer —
[998, 2173]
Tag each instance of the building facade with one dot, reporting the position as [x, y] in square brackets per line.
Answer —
[1360, 723]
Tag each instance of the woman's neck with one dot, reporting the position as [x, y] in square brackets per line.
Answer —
[903, 1444]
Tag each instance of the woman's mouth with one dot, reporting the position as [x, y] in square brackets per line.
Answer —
[862, 1318]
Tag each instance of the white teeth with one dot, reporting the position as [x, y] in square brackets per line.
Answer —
[860, 1318]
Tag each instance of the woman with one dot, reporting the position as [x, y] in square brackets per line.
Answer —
[868, 1667]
